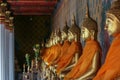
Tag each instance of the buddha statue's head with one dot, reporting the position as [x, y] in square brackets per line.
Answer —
[49, 43]
[64, 32]
[58, 36]
[74, 31]
[113, 19]
[89, 27]
[53, 38]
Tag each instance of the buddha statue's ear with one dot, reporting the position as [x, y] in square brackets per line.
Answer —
[92, 33]
[75, 37]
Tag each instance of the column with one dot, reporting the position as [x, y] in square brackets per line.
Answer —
[11, 49]
[7, 21]
[2, 42]
[1, 51]
[6, 54]
[11, 56]
[6, 45]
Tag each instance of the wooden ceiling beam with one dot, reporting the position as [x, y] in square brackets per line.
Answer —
[19, 10]
[29, 8]
[32, 13]
[32, 3]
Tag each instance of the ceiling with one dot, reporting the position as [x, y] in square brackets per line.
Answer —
[32, 7]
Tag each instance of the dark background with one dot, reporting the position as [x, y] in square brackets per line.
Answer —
[29, 30]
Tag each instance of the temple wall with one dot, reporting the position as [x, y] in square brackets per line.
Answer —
[97, 10]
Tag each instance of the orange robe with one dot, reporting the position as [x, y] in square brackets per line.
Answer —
[85, 61]
[111, 68]
[74, 48]
[51, 52]
[56, 50]
[64, 49]
[46, 53]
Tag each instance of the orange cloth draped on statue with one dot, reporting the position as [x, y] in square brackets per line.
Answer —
[85, 61]
[56, 50]
[74, 48]
[111, 68]
[47, 53]
[51, 52]
[64, 49]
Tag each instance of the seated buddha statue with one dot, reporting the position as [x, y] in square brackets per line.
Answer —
[71, 56]
[47, 51]
[56, 50]
[110, 70]
[89, 62]
[64, 42]
[51, 50]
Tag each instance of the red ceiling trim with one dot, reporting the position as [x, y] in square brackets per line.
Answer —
[32, 3]
[32, 0]
[36, 8]
[24, 13]
[33, 10]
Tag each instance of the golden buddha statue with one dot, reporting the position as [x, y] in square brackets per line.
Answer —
[110, 70]
[58, 36]
[47, 51]
[69, 58]
[47, 57]
[64, 42]
[56, 48]
[89, 62]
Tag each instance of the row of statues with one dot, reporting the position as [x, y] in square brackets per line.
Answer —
[64, 58]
